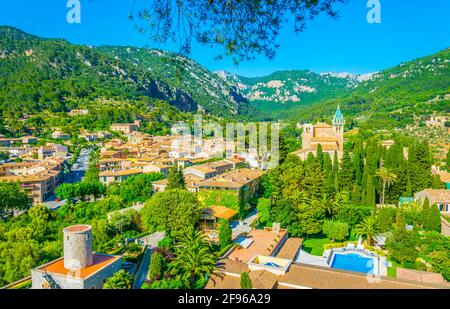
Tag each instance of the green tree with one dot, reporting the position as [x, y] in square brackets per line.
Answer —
[387, 177]
[367, 228]
[402, 244]
[12, 198]
[156, 266]
[175, 179]
[386, 218]
[370, 192]
[335, 230]
[40, 215]
[224, 233]
[263, 208]
[174, 211]
[246, 282]
[120, 280]
[138, 188]
[347, 174]
[319, 156]
[310, 217]
[224, 26]
[447, 162]
[193, 257]
[433, 220]
[328, 173]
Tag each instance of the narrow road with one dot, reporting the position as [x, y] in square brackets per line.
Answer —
[76, 174]
[142, 271]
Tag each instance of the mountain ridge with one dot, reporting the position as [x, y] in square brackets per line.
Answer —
[30, 64]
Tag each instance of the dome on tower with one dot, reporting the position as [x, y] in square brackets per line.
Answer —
[338, 118]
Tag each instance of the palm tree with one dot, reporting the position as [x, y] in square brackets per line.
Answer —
[193, 257]
[368, 228]
[120, 280]
[387, 177]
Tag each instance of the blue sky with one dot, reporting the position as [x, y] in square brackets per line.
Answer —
[409, 29]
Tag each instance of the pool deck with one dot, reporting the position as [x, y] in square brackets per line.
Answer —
[306, 258]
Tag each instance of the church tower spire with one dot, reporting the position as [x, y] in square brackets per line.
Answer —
[338, 121]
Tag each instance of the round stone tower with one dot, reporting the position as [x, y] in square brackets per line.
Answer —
[77, 246]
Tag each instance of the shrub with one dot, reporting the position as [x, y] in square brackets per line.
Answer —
[246, 282]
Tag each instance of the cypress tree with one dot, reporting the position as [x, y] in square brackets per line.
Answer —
[246, 282]
[224, 233]
[175, 179]
[370, 191]
[336, 171]
[328, 173]
[156, 266]
[347, 174]
[434, 219]
[319, 158]
[358, 162]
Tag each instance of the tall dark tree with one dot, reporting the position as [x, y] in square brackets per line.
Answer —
[175, 179]
[319, 156]
[358, 162]
[225, 233]
[328, 173]
[346, 175]
[336, 170]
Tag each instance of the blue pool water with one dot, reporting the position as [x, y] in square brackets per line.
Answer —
[353, 262]
[240, 239]
[272, 264]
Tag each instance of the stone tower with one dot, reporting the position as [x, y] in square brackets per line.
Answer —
[77, 247]
[338, 128]
[307, 135]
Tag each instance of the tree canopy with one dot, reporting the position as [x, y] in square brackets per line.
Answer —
[241, 29]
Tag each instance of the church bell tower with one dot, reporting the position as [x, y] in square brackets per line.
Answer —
[338, 128]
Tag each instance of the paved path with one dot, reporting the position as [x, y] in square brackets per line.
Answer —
[142, 271]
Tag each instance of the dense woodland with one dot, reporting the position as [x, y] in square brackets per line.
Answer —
[316, 197]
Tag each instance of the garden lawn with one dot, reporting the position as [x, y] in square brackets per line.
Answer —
[314, 246]
[392, 271]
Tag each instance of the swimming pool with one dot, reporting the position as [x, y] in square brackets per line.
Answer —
[272, 264]
[353, 262]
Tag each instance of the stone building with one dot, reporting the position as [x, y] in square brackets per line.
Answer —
[80, 268]
[330, 137]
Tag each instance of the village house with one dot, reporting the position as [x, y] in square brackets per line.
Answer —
[78, 112]
[113, 154]
[113, 164]
[191, 181]
[117, 176]
[125, 128]
[60, 135]
[440, 197]
[38, 179]
[210, 169]
[104, 134]
[90, 137]
[243, 180]
[52, 150]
